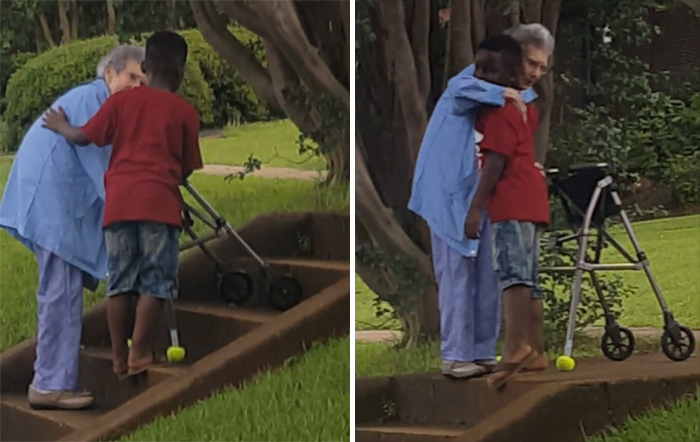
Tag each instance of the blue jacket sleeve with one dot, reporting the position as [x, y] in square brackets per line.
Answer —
[469, 92]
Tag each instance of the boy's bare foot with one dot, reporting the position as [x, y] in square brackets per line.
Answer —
[139, 360]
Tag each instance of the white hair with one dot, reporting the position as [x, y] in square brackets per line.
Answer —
[534, 34]
[118, 57]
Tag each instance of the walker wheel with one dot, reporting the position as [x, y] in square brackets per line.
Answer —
[175, 354]
[681, 349]
[621, 350]
[235, 287]
[284, 292]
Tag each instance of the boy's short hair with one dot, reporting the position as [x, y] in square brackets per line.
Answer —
[166, 52]
[499, 61]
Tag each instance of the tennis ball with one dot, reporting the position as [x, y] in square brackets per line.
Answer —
[175, 354]
[498, 358]
[128, 343]
[565, 363]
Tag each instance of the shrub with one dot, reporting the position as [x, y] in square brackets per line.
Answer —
[682, 176]
[45, 77]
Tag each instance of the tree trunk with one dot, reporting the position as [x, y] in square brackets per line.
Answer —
[46, 31]
[63, 21]
[235, 53]
[74, 21]
[111, 18]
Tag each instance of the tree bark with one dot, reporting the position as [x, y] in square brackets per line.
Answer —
[214, 31]
[111, 18]
[377, 219]
[63, 21]
[286, 32]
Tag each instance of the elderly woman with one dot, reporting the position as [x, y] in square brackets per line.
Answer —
[53, 203]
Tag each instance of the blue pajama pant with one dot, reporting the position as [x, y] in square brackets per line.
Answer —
[469, 300]
[60, 307]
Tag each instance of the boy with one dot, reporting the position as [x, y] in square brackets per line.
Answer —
[155, 146]
[513, 193]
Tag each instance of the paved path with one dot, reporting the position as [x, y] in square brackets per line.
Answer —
[373, 336]
[264, 172]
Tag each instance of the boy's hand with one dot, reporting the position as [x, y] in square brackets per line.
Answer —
[53, 119]
[515, 97]
[472, 225]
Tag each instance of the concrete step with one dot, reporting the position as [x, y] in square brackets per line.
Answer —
[393, 432]
[19, 423]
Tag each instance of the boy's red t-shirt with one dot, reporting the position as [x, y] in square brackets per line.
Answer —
[521, 192]
[155, 141]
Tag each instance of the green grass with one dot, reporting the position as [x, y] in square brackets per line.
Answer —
[273, 143]
[678, 422]
[672, 245]
[307, 401]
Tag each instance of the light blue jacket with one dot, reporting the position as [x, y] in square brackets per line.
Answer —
[54, 195]
[446, 173]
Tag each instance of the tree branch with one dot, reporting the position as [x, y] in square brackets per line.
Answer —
[74, 19]
[63, 21]
[214, 31]
[46, 30]
[288, 35]
[240, 11]
[283, 76]
[420, 25]
[111, 18]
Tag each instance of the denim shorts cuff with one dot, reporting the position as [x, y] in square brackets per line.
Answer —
[119, 291]
[506, 284]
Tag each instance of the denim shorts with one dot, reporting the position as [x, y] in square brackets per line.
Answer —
[142, 257]
[515, 254]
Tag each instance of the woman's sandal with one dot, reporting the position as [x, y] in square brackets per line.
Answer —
[506, 370]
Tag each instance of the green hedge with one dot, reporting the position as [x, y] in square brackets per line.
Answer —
[41, 80]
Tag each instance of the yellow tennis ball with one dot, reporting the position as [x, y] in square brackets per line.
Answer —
[498, 358]
[128, 343]
[175, 354]
[565, 363]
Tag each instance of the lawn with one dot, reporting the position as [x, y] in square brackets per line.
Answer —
[273, 143]
[673, 248]
[677, 422]
[307, 400]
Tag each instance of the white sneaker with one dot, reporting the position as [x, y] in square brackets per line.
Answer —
[462, 370]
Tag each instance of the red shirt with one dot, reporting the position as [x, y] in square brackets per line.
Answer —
[155, 141]
[521, 192]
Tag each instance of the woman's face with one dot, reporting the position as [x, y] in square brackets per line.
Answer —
[130, 77]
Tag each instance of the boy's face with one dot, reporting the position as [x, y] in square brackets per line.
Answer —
[535, 65]
[130, 77]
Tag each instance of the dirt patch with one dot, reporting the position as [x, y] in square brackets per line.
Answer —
[265, 172]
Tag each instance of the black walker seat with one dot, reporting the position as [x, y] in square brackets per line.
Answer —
[588, 194]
